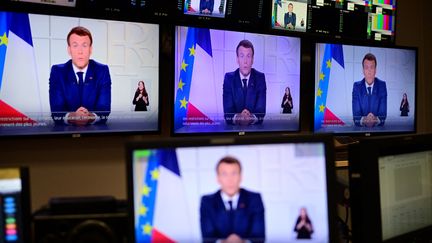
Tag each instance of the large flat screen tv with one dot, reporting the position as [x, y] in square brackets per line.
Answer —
[209, 93]
[391, 189]
[40, 92]
[280, 189]
[365, 89]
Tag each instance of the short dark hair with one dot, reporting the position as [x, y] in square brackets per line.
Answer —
[81, 31]
[228, 160]
[245, 44]
[369, 57]
[290, 4]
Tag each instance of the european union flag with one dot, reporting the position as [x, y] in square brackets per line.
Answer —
[332, 51]
[19, 24]
[144, 229]
[195, 36]
[4, 32]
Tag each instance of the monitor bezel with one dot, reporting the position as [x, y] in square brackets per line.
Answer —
[363, 134]
[174, 142]
[364, 183]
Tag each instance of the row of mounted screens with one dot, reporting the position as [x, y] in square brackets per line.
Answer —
[355, 19]
[40, 93]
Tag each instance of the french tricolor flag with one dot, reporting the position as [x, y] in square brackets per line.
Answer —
[162, 211]
[20, 100]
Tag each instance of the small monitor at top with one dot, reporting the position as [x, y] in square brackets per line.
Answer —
[290, 15]
[208, 8]
[365, 89]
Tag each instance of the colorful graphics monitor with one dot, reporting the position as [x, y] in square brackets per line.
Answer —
[345, 104]
[175, 195]
[210, 96]
[14, 205]
[40, 92]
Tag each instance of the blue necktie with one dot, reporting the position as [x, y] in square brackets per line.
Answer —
[231, 217]
[244, 88]
[369, 98]
[80, 85]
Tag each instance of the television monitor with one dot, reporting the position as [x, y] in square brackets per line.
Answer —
[208, 94]
[280, 178]
[382, 24]
[391, 189]
[14, 205]
[65, 3]
[372, 21]
[204, 8]
[223, 13]
[376, 17]
[323, 20]
[247, 12]
[343, 104]
[36, 98]
[290, 15]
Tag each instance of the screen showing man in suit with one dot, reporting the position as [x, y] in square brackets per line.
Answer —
[343, 104]
[206, 6]
[232, 214]
[290, 18]
[244, 90]
[369, 96]
[179, 197]
[80, 89]
[209, 94]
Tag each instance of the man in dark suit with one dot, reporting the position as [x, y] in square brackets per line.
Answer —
[232, 214]
[290, 18]
[244, 90]
[206, 6]
[80, 89]
[369, 96]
